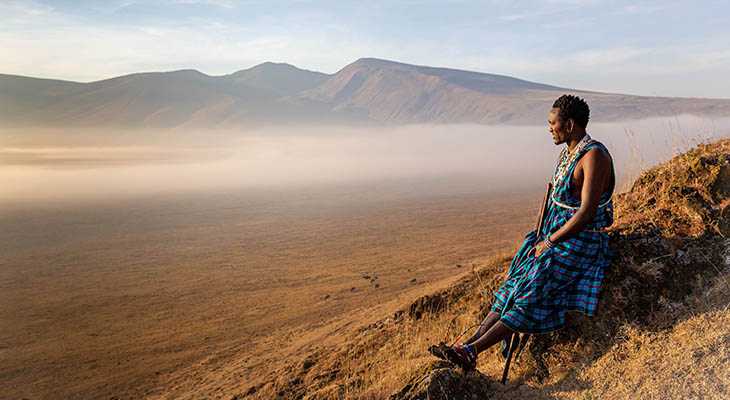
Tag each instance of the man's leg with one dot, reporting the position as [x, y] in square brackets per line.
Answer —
[489, 320]
[494, 335]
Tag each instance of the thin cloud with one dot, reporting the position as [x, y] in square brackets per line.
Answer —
[217, 3]
[603, 57]
[634, 9]
[523, 16]
[576, 2]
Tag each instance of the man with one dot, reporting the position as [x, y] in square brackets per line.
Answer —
[560, 268]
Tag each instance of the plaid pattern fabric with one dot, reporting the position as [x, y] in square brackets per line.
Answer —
[540, 291]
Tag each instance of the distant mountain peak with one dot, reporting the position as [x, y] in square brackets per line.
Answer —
[273, 65]
[188, 73]
[378, 62]
[281, 78]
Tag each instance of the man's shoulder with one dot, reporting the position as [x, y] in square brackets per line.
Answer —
[593, 143]
[597, 155]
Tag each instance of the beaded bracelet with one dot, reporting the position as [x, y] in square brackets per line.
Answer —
[548, 243]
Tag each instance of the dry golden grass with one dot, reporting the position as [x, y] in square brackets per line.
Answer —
[680, 197]
[689, 360]
[381, 357]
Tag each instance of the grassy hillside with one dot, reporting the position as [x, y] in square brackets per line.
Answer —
[662, 330]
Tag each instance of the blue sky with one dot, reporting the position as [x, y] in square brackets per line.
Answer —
[663, 48]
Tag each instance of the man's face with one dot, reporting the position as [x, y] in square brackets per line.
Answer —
[557, 127]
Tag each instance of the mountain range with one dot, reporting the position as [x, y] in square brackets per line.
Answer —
[367, 91]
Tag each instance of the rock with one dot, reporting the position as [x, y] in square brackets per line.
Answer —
[721, 187]
[366, 277]
[377, 285]
[308, 363]
[723, 225]
[413, 280]
[426, 304]
[440, 381]
[352, 289]
[327, 297]
[458, 265]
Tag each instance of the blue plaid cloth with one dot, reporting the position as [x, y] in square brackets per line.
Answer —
[540, 291]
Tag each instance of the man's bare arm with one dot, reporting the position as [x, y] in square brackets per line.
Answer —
[596, 168]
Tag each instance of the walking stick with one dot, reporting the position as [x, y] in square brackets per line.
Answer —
[541, 216]
[514, 339]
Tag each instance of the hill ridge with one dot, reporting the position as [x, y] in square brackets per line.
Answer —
[365, 92]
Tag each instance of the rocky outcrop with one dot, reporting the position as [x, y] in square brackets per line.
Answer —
[426, 304]
[441, 381]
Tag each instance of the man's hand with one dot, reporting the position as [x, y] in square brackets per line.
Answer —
[539, 249]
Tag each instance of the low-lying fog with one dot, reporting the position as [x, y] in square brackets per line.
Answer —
[493, 158]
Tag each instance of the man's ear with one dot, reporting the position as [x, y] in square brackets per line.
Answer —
[569, 125]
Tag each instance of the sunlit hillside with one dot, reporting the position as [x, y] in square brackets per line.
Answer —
[662, 331]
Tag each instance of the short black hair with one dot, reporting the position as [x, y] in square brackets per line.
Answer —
[573, 107]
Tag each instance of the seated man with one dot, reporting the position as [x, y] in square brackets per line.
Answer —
[560, 268]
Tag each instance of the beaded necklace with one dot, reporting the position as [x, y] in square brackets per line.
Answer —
[567, 158]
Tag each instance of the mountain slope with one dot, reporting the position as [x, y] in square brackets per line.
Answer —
[368, 91]
[396, 92]
[391, 91]
[21, 95]
[178, 99]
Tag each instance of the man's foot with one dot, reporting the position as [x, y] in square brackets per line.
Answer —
[462, 356]
[439, 350]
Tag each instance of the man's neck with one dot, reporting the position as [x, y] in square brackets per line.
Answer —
[574, 141]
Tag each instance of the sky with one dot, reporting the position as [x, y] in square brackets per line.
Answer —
[655, 48]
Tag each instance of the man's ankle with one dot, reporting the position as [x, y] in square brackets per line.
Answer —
[471, 349]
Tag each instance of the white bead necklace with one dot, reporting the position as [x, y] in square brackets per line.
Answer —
[567, 158]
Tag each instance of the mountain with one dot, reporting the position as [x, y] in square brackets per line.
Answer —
[178, 99]
[398, 92]
[404, 93]
[283, 79]
[364, 92]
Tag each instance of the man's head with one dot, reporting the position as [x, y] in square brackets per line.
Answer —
[568, 118]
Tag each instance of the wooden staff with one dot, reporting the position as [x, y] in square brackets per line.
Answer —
[541, 216]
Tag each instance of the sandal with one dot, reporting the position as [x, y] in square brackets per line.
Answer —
[462, 356]
[439, 350]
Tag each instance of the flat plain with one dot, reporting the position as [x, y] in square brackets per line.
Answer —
[197, 295]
